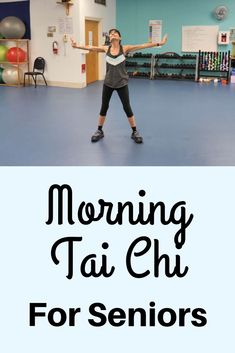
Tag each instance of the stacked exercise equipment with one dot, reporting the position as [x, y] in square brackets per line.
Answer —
[171, 65]
[214, 61]
[11, 27]
[139, 65]
[214, 65]
[167, 65]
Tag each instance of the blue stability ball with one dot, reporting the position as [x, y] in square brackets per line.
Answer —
[12, 27]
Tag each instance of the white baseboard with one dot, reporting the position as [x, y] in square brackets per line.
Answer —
[60, 84]
[65, 84]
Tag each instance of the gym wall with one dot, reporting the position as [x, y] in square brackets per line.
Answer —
[133, 18]
[64, 69]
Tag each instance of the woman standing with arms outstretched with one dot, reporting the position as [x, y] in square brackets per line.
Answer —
[116, 78]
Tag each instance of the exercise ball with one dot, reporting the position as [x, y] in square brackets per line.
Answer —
[1, 71]
[12, 27]
[10, 75]
[16, 55]
[3, 52]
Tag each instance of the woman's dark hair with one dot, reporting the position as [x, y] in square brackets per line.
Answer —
[115, 30]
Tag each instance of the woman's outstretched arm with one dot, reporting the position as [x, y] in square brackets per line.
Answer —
[129, 48]
[100, 49]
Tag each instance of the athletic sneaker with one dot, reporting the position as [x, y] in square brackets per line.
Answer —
[136, 137]
[98, 135]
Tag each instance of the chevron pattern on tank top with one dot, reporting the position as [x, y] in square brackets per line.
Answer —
[115, 61]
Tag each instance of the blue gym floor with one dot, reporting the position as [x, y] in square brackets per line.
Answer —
[183, 124]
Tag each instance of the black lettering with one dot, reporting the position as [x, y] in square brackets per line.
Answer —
[142, 316]
[89, 212]
[202, 321]
[130, 253]
[172, 319]
[158, 259]
[72, 314]
[182, 314]
[33, 314]
[69, 241]
[60, 190]
[100, 316]
[93, 272]
[62, 317]
[180, 236]
[152, 314]
[117, 314]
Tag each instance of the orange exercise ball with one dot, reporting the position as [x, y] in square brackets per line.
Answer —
[15, 55]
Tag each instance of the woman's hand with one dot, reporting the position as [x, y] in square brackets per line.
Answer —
[164, 39]
[73, 43]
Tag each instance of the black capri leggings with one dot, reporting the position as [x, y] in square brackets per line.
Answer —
[123, 93]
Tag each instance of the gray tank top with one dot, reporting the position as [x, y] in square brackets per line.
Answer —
[116, 74]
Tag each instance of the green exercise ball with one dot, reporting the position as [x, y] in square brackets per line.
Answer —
[3, 52]
[1, 71]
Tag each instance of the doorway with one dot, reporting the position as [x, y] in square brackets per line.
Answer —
[91, 31]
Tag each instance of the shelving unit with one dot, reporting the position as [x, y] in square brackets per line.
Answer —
[66, 4]
[24, 66]
[214, 65]
[171, 65]
[139, 65]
